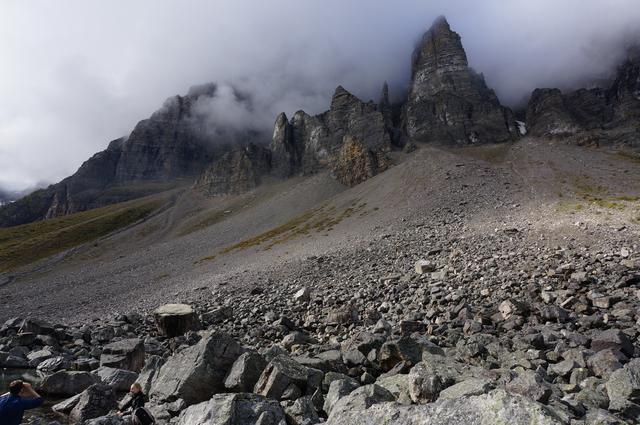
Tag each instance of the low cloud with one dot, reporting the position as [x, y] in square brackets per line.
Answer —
[80, 73]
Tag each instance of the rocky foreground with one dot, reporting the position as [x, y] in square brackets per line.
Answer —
[478, 329]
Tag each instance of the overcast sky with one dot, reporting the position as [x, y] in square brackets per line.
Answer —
[75, 74]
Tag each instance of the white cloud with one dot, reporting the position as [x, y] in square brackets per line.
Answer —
[78, 73]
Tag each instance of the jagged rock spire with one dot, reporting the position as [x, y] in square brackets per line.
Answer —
[447, 101]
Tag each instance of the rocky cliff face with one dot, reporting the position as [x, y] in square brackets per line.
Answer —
[447, 101]
[307, 143]
[354, 162]
[169, 146]
[609, 115]
[351, 139]
[236, 172]
[552, 113]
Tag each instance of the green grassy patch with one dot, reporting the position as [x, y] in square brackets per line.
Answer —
[318, 221]
[25, 244]
[209, 220]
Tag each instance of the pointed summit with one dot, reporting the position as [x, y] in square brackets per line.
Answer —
[447, 101]
[439, 62]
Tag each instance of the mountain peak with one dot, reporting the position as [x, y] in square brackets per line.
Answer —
[440, 24]
[443, 87]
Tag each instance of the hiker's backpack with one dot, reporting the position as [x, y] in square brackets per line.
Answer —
[142, 416]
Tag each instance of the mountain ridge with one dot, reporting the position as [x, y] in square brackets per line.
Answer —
[447, 103]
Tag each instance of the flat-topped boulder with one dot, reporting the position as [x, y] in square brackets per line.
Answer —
[175, 319]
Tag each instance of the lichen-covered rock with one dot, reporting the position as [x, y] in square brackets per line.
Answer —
[245, 372]
[433, 374]
[234, 409]
[359, 400]
[497, 407]
[338, 389]
[623, 388]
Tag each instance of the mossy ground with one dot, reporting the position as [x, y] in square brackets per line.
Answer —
[317, 221]
[25, 244]
[599, 197]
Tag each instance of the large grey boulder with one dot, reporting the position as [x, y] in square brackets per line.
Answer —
[530, 384]
[468, 387]
[197, 372]
[301, 412]
[245, 372]
[124, 354]
[118, 379]
[497, 407]
[106, 420]
[66, 406]
[406, 349]
[398, 385]
[176, 319]
[234, 409]
[623, 388]
[282, 372]
[54, 364]
[338, 389]
[433, 374]
[360, 399]
[149, 372]
[68, 383]
[95, 401]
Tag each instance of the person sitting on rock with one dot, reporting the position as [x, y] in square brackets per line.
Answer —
[135, 407]
[21, 397]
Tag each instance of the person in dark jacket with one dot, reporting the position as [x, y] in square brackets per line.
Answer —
[136, 401]
[21, 397]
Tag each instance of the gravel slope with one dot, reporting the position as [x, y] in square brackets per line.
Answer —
[551, 193]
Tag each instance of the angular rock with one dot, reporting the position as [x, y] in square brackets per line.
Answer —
[283, 371]
[338, 389]
[245, 372]
[95, 401]
[149, 372]
[360, 399]
[468, 387]
[118, 379]
[124, 354]
[623, 388]
[614, 339]
[531, 385]
[197, 372]
[234, 409]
